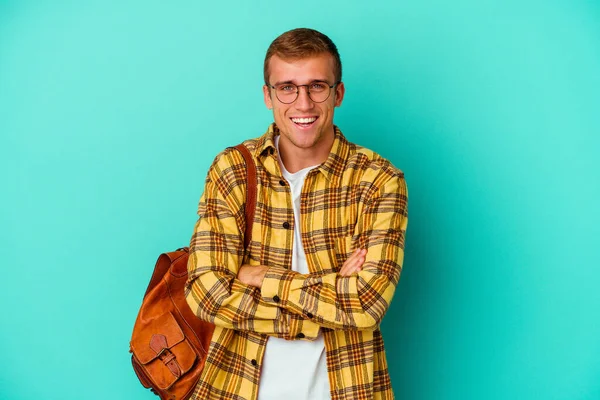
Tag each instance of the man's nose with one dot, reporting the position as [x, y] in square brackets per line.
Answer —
[303, 102]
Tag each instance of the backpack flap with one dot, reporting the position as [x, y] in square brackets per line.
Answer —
[162, 349]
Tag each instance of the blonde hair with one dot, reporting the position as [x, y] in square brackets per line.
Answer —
[302, 43]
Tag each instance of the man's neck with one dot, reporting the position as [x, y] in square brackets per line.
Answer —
[294, 159]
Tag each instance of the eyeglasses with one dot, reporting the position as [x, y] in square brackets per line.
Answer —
[318, 91]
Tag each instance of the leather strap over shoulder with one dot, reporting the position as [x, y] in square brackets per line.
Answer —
[251, 189]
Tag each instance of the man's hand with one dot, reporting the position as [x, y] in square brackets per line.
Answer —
[354, 263]
[252, 275]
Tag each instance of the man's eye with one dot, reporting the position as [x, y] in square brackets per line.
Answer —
[317, 86]
[287, 88]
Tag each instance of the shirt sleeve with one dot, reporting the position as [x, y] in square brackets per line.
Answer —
[213, 291]
[359, 301]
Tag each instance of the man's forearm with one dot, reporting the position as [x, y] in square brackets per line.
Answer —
[253, 275]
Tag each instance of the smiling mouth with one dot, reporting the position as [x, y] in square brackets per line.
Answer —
[304, 122]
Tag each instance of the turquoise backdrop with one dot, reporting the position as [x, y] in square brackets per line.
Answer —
[111, 113]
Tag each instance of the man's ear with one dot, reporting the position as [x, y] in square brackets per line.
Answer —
[267, 96]
[340, 90]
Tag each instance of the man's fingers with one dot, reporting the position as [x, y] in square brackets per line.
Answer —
[354, 262]
[351, 261]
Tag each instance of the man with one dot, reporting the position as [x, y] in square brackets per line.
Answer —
[297, 316]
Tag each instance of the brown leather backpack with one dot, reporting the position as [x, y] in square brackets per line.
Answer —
[170, 343]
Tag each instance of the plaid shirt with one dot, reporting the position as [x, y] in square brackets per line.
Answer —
[354, 199]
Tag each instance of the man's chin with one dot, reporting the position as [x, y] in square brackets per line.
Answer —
[301, 140]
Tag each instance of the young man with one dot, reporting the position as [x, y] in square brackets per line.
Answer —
[298, 317]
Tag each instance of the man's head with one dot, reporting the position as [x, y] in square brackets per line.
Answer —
[303, 86]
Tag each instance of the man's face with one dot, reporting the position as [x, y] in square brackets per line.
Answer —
[315, 130]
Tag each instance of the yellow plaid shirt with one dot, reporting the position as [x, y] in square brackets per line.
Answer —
[354, 199]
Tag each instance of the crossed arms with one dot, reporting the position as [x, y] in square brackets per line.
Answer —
[254, 275]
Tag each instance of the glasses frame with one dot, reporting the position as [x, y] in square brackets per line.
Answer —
[307, 91]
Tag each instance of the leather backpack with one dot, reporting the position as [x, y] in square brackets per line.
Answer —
[169, 343]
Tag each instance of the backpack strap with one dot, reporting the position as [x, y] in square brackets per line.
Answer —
[251, 188]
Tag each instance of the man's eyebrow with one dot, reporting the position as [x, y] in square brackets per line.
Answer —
[282, 82]
[291, 81]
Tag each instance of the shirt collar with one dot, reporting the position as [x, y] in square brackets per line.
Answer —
[266, 143]
[331, 168]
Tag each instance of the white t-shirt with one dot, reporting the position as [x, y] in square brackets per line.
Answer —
[295, 369]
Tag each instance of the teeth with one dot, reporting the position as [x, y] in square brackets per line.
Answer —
[304, 120]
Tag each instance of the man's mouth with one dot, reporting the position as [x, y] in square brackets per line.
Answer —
[304, 122]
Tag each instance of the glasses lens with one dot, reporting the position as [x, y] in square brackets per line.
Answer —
[286, 92]
[318, 91]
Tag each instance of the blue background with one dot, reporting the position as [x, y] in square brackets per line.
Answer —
[111, 113]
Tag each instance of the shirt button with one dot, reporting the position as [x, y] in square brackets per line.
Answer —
[276, 299]
[286, 225]
[300, 336]
[309, 315]
[282, 182]
[254, 362]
